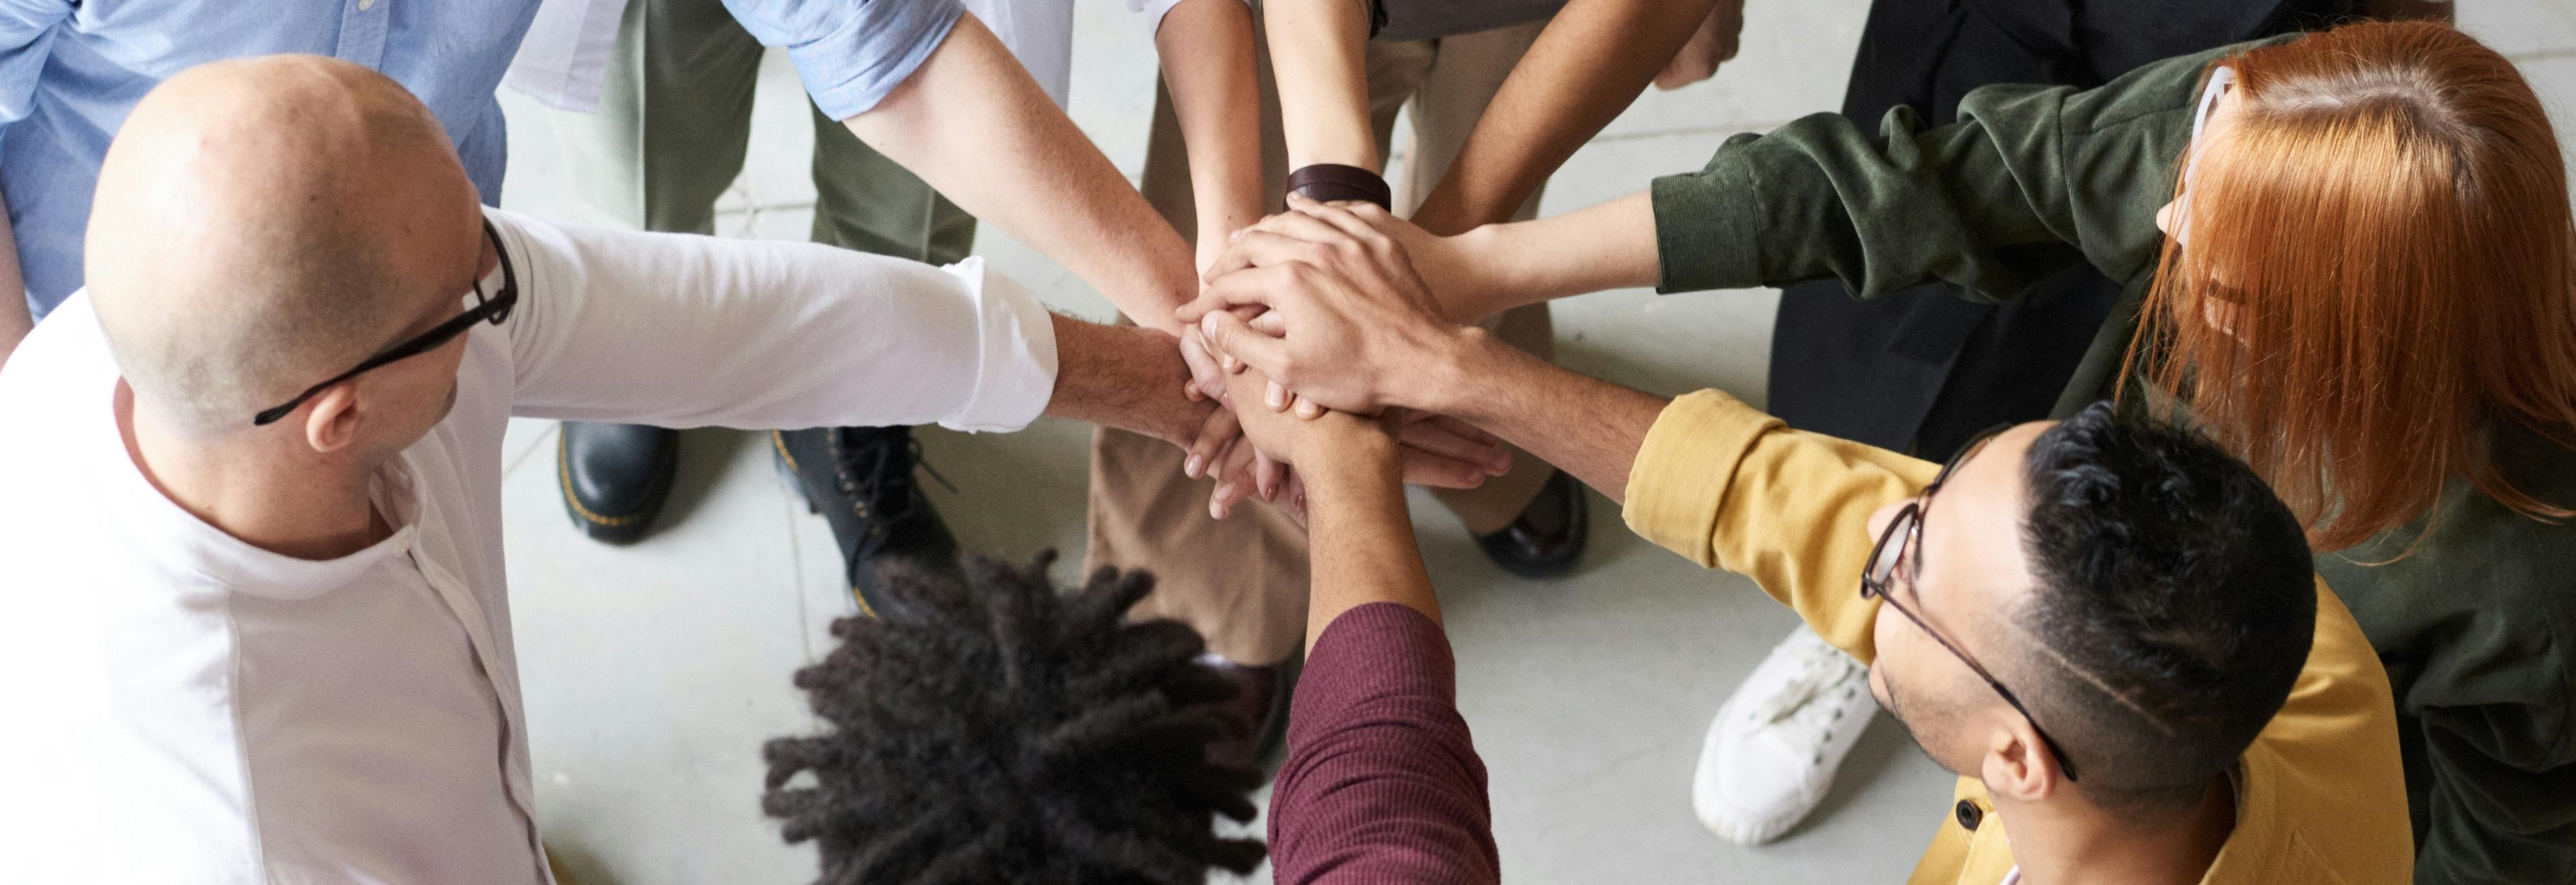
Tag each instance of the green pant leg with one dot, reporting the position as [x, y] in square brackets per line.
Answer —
[864, 201]
[673, 122]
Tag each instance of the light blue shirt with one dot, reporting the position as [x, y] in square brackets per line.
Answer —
[70, 72]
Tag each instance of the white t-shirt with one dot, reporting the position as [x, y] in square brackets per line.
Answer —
[184, 707]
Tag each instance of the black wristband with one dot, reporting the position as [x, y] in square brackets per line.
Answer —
[1334, 182]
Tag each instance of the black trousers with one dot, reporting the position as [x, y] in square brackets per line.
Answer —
[1923, 370]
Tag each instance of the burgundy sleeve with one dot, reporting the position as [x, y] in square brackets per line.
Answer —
[1382, 782]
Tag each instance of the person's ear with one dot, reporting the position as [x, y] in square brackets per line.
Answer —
[2017, 763]
[333, 419]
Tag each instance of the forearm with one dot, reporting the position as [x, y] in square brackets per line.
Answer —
[1124, 377]
[1360, 536]
[1590, 63]
[1583, 425]
[1319, 55]
[972, 124]
[1207, 54]
[1501, 266]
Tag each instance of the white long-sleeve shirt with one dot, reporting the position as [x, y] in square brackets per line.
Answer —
[183, 707]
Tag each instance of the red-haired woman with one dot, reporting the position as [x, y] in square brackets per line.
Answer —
[2369, 292]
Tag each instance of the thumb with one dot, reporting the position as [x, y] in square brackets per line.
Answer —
[1231, 335]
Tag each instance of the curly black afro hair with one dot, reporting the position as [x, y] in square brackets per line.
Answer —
[992, 729]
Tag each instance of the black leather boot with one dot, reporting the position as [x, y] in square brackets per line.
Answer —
[860, 479]
[615, 476]
[1547, 539]
[1262, 697]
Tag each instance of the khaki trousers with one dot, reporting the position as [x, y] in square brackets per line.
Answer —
[1243, 581]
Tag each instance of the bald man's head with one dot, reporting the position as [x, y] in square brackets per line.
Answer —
[263, 224]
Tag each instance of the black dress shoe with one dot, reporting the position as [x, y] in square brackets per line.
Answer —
[615, 476]
[860, 480]
[1548, 537]
[1260, 703]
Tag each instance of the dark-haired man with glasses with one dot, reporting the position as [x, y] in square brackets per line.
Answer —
[254, 613]
[2108, 627]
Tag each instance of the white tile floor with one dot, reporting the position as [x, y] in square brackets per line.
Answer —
[654, 672]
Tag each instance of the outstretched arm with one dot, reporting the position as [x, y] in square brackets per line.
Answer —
[973, 124]
[1382, 781]
[1319, 54]
[1587, 66]
[1207, 53]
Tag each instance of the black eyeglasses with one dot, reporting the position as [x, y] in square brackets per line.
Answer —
[492, 310]
[1885, 559]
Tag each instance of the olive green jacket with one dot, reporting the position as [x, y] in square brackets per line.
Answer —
[2477, 628]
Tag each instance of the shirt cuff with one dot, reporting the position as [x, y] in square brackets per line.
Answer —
[1708, 225]
[1677, 486]
[1015, 364]
[855, 65]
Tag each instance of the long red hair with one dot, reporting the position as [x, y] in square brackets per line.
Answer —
[2385, 230]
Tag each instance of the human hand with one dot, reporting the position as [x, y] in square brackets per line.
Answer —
[1207, 372]
[1431, 450]
[1714, 43]
[1355, 327]
[1451, 267]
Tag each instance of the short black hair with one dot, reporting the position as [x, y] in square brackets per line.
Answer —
[991, 729]
[2174, 606]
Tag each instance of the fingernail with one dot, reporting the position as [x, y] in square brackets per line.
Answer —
[1194, 466]
[1275, 395]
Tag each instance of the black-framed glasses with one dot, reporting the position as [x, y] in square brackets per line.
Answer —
[492, 309]
[1885, 559]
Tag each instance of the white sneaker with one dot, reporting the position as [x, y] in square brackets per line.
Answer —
[1772, 751]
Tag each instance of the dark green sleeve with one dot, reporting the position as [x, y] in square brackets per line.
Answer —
[2030, 181]
[2491, 818]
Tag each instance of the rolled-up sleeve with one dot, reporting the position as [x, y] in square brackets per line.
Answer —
[850, 53]
[1729, 487]
[679, 330]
